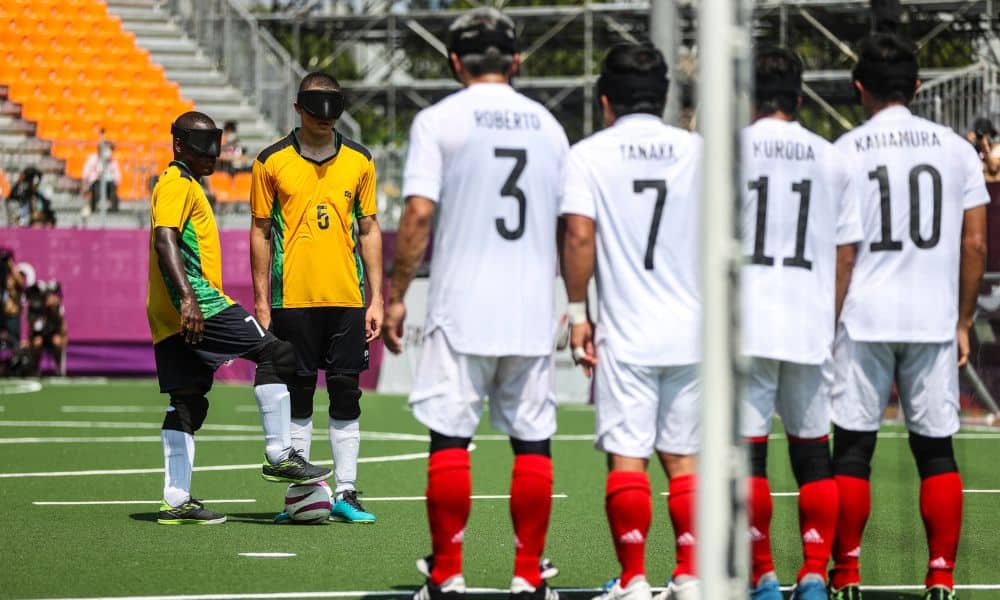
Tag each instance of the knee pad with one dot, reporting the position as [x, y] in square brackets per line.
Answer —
[853, 451]
[758, 459]
[440, 441]
[301, 390]
[810, 459]
[276, 363]
[934, 456]
[188, 414]
[345, 396]
[542, 447]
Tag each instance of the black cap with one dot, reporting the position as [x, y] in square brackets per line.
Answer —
[480, 29]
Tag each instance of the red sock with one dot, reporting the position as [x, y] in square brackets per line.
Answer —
[761, 508]
[629, 505]
[449, 486]
[941, 509]
[855, 504]
[530, 507]
[681, 504]
[818, 508]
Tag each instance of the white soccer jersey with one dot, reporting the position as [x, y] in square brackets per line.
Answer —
[639, 181]
[915, 180]
[490, 158]
[799, 204]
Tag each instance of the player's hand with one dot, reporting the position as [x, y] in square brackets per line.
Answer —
[373, 320]
[192, 321]
[263, 314]
[962, 337]
[392, 327]
[581, 347]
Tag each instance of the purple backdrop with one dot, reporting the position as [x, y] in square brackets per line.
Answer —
[104, 275]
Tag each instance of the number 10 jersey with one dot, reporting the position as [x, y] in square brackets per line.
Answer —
[490, 158]
[915, 179]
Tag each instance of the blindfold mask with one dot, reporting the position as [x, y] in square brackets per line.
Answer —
[322, 104]
[207, 142]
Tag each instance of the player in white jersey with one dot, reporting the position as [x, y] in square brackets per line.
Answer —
[800, 227]
[912, 295]
[630, 204]
[488, 158]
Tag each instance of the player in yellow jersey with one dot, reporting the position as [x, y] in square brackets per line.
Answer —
[314, 241]
[196, 327]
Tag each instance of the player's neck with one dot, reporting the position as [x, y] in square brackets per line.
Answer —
[316, 140]
[487, 78]
[780, 115]
[874, 107]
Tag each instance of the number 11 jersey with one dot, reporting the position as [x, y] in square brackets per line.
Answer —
[915, 180]
[490, 159]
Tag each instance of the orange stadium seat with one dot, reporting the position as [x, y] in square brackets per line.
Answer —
[241, 186]
[221, 185]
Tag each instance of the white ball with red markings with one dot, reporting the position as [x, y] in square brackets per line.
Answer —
[309, 503]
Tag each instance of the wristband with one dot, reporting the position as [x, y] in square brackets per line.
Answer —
[577, 313]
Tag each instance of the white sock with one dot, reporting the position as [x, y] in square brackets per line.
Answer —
[345, 441]
[275, 417]
[178, 458]
[302, 435]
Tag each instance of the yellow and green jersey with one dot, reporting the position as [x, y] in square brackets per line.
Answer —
[313, 207]
[179, 203]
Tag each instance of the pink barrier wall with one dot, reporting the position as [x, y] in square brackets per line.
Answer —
[104, 275]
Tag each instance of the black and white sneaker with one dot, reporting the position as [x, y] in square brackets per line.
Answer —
[294, 469]
[520, 589]
[452, 588]
[191, 512]
[546, 566]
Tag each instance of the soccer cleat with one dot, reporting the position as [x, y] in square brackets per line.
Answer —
[767, 588]
[939, 592]
[294, 469]
[810, 587]
[452, 588]
[191, 512]
[349, 510]
[549, 570]
[851, 591]
[637, 589]
[690, 589]
[520, 589]
[282, 517]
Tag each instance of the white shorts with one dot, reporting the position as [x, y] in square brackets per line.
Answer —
[640, 408]
[450, 389]
[799, 392]
[926, 375]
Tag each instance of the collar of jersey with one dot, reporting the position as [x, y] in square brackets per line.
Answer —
[183, 168]
[298, 148]
[893, 112]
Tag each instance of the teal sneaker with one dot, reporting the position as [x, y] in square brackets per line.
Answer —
[282, 518]
[939, 592]
[767, 588]
[810, 588]
[348, 509]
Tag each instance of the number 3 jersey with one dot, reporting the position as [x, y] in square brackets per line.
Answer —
[639, 180]
[313, 207]
[915, 179]
[799, 204]
[490, 158]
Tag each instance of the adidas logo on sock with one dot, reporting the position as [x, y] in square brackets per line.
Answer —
[632, 537]
[756, 535]
[813, 537]
[856, 553]
[458, 538]
[685, 539]
[939, 563]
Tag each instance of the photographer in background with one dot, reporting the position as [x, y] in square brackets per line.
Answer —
[981, 137]
[10, 297]
[46, 324]
[33, 208]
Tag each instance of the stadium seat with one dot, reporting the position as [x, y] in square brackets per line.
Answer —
[221, 184]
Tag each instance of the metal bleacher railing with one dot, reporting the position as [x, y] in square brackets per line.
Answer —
[959, 98]
[252, 59]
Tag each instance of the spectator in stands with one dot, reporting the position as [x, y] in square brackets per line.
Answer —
[32, 207]
[102, 161]
[234, 155]
[46, 324]
[11, 214]
[10, 299]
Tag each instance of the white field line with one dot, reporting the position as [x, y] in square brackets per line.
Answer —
[474, 591]
[131, 439]
[366, 459]
[113, 409]
[117, 502]
[474, 497]
[795, 494]
[267, 554]
[3, 408]
[19, 386]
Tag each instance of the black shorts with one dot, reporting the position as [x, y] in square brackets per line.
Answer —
[230, 334]
[331, 338]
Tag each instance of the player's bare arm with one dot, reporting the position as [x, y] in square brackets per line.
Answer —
[171, 264]
[973, 264]
[576, 257]
[260, 264]
[411, 243]
[845, 266]
[370, 239]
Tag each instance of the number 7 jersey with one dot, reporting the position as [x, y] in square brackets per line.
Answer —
[490, 159]
[915, 179]
[639, 180]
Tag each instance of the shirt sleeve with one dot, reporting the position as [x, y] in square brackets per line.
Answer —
[974, 193]
[365, 203]
[578, 195]
[423, 172]
[171, 204]
[849, 228]
[262, 190]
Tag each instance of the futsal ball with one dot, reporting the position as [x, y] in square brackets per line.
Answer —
[309, 503]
